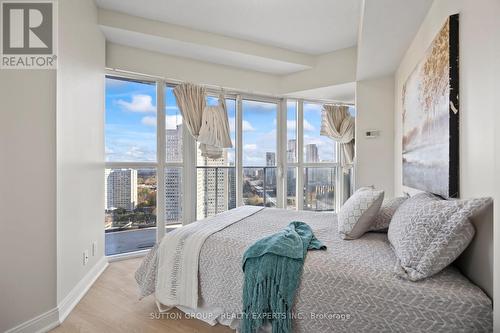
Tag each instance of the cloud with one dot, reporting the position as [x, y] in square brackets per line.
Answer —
[135, 152]
[140, 103]
[308, 126]
[250, 146]
[313, 108]
[292, 124]
[230, 156]
[173, 121]
[149, 121]
[232, 123]
[313, 140]
[245, 125]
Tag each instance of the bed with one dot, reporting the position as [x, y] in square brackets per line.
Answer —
[350, 287]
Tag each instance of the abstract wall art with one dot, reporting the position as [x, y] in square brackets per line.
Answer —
[431, 115]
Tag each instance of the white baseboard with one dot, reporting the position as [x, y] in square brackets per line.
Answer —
[40, 324]
[77, 293]
[52, 318]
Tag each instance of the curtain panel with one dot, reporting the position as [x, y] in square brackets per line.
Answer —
[338, 124]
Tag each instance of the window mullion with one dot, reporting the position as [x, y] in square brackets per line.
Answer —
[239, 152]
[281, 175]
[300, 155]
[189, 177]
[339, 186]
[161, 157]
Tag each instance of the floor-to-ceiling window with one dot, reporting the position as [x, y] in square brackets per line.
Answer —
[174, 152]
[156, 175]
[291, 154]
[130, 178]
[259, 152]
[216, 177]
[314, 179]
[319, 162]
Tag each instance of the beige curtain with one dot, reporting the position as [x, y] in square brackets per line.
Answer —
[337, 124]
[191, 102]
[215, 133]
[215, 126]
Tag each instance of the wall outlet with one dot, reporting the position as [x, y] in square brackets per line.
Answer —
[85, 257]
[94, 248]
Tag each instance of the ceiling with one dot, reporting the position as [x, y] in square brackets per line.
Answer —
[278, 37]
[344, 93]
[386, 31]
[311, 27]
[200, 52]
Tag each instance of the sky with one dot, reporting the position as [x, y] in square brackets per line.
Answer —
[131, 124]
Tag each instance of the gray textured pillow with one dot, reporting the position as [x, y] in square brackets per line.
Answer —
[429, 233]
[356, 215]
[387, 210]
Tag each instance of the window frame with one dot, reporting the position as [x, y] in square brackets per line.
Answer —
[240, 166]
[227, 167]
[299, 163]
[189, 154]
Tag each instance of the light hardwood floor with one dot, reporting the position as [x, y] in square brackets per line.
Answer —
[112, 305]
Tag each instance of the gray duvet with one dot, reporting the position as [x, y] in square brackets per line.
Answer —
[351, 287]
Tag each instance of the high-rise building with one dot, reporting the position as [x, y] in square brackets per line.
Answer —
[270, 159]
[173, 177]
[291, 150]
[216, 187]
[174, 144]
[173, 195]
[312, 153]
[120, 189]
[271, 173]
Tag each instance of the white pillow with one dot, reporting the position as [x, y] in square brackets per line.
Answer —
[428, 233]
[356, 215]
[383, 219]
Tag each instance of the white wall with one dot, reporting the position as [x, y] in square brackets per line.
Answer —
[52, 161]
[375, 111]
[27, 195]
[80, 142]
[330, 69]
[479, 29]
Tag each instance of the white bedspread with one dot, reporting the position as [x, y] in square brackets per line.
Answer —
[178, 257]
[351, 287]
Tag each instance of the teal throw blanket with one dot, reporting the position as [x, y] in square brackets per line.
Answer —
[272, 267]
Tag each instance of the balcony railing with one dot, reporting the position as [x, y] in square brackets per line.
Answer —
[261, 181]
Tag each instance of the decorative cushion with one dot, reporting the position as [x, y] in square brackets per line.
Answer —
[429, 233]
[384, 216]
[356, 215]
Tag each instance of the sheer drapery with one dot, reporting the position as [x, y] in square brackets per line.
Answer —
[338, 124]
[191, 102]
[209, 125]
[215, 133]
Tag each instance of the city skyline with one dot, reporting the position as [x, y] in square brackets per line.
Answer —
[131, 121]
[130, 132]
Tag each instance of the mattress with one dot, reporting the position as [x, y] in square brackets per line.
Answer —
[349, 287]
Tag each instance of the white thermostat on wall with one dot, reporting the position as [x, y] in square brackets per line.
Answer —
[372, 134]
